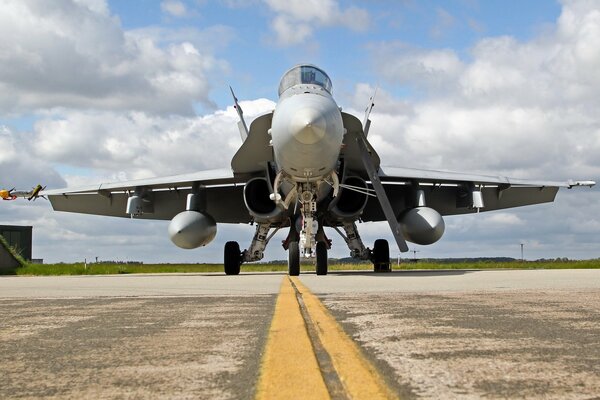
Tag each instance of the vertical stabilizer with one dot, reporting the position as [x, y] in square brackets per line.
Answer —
[241, 124]
[367, 121]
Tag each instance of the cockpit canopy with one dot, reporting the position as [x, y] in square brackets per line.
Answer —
[307, 75]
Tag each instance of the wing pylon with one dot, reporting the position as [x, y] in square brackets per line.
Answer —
[381, 194]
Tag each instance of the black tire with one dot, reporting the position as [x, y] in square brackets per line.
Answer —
[321, 258]
[381, 256]
[293, 259]
[232, 258]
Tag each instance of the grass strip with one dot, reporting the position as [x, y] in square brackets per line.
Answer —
[112, 268]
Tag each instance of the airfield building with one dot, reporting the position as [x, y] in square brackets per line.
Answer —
[19, 238]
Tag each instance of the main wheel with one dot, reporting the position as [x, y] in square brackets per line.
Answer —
[293, 259]
[321, 258]
[381, 256]
[232, 258]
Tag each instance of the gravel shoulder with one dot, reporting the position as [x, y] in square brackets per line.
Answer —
[166, 347]
[492, 344]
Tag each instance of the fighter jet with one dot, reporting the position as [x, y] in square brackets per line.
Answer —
[305, 166]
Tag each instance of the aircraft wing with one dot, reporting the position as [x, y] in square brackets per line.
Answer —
[451, 193]
[167, 195]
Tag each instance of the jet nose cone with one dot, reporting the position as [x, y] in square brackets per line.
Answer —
[308, 126]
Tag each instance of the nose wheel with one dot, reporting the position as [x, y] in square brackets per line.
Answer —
[321, 258]
[293, 259]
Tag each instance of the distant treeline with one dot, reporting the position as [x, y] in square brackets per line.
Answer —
[349, 260]
[459, 260]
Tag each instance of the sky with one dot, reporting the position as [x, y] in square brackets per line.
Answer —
[98, 91]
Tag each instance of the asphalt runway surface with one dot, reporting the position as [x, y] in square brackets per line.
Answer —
[436, 334]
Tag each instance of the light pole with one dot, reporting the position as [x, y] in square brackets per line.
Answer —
[522, 258]
[415, 255]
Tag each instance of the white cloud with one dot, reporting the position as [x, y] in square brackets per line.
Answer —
[444, 22]
[76, 54]
[174, 8]
[209, 39]
[142, 145]
[526, 109]
[296, 20]
[93, 147]
[97, 6]
[289, 32]
[20, 167]
[104, 98]
[503, 218]
[424, 69]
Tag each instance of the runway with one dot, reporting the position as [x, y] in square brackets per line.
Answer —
[442, 334]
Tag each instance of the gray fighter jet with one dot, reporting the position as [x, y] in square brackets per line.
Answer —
[305, 166]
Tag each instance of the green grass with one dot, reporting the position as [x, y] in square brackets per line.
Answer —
[12, 251]
[559, 264]
[109, 268]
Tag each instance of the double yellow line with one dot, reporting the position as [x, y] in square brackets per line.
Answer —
[308, 355]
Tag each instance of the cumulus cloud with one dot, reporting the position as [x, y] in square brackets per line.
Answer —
[521, 108]
[419, 68]
[140, 145]
[20, 167]
[90, 147]
[174, 8]
[444, 22]
[526, 109]
[296, 20]
[115, 104]
[76, 54]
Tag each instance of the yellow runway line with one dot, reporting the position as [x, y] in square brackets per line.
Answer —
[289, 367]
[358, 376]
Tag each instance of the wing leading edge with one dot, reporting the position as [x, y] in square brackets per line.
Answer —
[166, 196]
[452, 193]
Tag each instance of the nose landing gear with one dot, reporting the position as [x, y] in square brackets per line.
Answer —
[293, 259]
[321, 262]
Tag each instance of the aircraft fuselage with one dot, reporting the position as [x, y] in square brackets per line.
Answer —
[307, 134]
[307, 129]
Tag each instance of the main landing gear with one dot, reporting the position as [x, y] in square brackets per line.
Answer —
[381, 256]
[232, 258]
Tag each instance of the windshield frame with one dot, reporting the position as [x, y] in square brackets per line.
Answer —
[305, 74]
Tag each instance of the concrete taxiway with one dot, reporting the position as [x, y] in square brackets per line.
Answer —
[442, 334]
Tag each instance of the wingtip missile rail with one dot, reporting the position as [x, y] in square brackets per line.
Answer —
[573, 184]
[13, 194]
